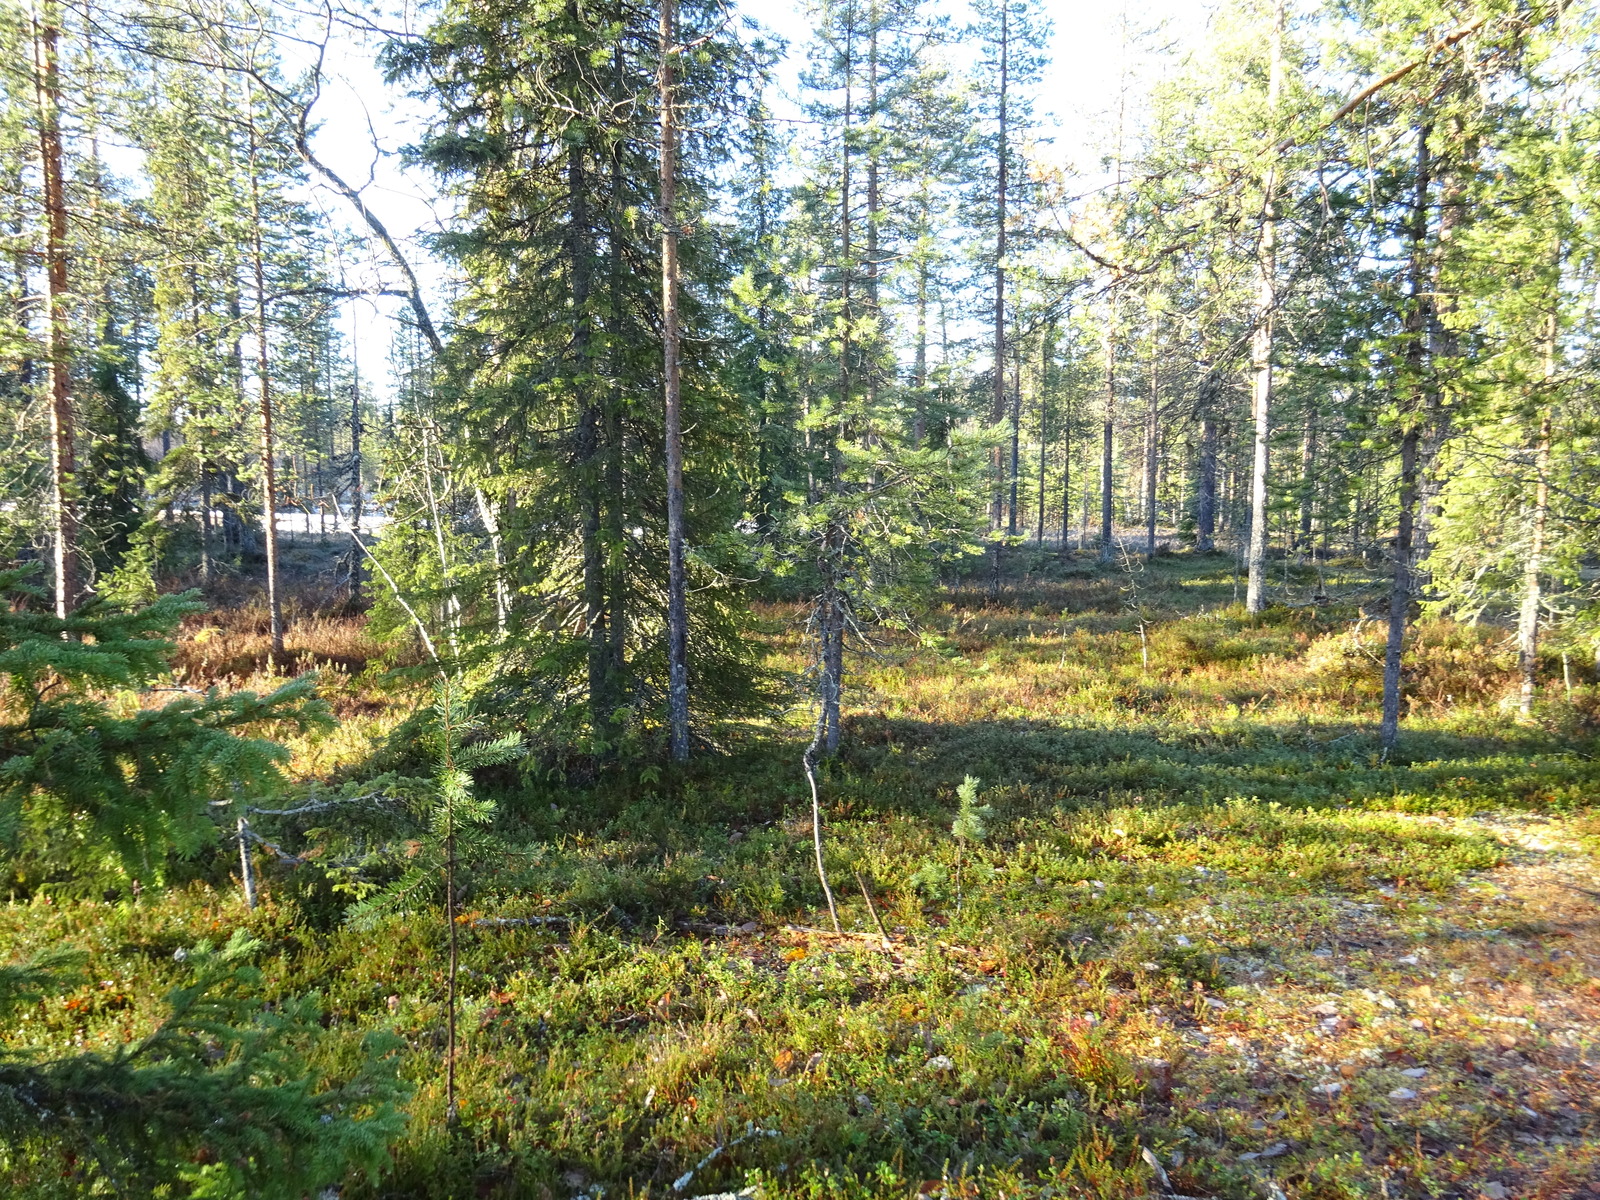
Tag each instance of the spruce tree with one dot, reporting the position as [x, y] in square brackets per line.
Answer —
[550, 140]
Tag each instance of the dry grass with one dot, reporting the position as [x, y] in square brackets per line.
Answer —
[229, 647]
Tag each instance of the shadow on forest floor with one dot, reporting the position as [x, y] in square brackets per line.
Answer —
[1207, 942]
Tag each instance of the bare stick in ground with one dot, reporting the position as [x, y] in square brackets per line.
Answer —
[810, 761]
[873, 909]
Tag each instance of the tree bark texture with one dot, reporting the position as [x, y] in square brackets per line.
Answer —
[63, 460]
[1261, 340]
[998, 412]
[1532, 589]
[1402, 585]
[1107, 433]
[677, 580]
[269, 465]
[1205, 497]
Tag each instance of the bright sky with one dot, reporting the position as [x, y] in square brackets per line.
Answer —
[1075, 106]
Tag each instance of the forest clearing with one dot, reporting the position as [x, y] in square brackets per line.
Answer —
[1204, 919]
[868, 598]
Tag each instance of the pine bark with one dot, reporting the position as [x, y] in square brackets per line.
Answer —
[63, 460]
[998, 409]
[269, 466]
[1152, 435]
[677, 579]
[1107, 432]
[1205, 500]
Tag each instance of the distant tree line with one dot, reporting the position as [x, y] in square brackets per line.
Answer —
[1326, 295]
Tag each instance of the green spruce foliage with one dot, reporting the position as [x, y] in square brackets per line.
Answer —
[543, 524]
[217, 1101]
[93, 781]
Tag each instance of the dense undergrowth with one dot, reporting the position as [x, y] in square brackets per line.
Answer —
[1211, 943]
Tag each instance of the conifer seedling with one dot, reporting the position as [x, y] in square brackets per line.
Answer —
[971, 824]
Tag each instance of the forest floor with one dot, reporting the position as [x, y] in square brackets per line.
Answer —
[1212, 945]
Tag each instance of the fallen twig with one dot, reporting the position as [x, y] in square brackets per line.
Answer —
[813, 931]
[872, 908]
[718, 930]
[750, 1132]
[312, 806]
[277, 851]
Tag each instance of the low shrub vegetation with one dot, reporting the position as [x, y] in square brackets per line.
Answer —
[1186, 931]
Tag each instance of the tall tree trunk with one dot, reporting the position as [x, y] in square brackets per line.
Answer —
[1451, 174]
[1066, 475]
[919, 419]
[833, 603]
[614, 436]
[232, 490]
[1152, 433]
[1261, 339]
[1205, 500]
[63, 460]
[269, 465]
[357, 495]
[1002, 166]
[1043, 390]
[874, 198]
[768, 492]
[1012, 523]
[1308, 483]
[1402, 586]
[1107, 431]
[587, 465]
[677, 578]
[1532, 593]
